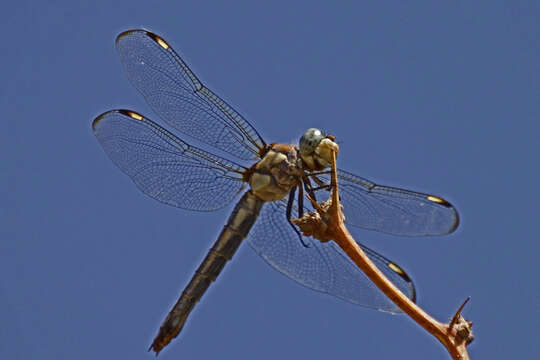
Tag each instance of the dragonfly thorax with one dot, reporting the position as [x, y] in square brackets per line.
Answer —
[276, 173]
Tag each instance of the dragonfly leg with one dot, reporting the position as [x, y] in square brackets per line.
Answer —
[322, 185]
[308, 187]
[300, 201]
[324, 172]
[288, 213]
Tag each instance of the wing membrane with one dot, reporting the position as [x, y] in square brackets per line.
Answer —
[393, 210]
[163, 166]
[321, 266]
[178, 97]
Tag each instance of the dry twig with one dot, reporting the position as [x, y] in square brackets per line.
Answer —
[327, 223]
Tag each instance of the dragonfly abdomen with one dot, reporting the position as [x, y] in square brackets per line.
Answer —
[240, 222]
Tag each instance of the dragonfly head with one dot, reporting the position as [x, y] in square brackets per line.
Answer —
[316, 149]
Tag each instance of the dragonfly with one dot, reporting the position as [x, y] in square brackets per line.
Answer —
[271, 179]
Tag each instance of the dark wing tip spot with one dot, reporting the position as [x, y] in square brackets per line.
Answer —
[128, 113]
[446, 204]
[401, 273]
[439, 200]
[159, 40]
[156, 38]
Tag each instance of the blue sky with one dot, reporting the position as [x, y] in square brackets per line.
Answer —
[435, 97]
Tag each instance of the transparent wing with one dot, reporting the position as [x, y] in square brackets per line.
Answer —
[320, 266]
[165, 167]
[178, 97]
[392, 210]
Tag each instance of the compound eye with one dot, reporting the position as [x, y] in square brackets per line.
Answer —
[310, 140]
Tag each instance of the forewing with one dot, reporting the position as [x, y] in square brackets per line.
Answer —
[321, 266]
[392, 210]
[178, 97]
[163, 166]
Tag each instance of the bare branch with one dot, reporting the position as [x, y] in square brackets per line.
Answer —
[327, 223]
